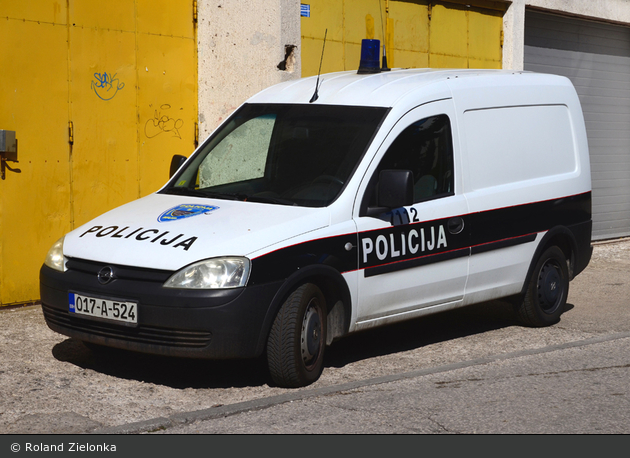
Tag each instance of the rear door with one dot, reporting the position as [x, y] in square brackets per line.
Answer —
[413, 258]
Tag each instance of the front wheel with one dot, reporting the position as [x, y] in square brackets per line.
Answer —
[547, 290]
[295, 347]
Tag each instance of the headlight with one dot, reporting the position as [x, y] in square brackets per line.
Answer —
[214, 273]
[54, 258]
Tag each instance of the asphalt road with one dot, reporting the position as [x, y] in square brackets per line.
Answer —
[556, 390]
[473, 370]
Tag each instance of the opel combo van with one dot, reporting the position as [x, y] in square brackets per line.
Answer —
[302, 219]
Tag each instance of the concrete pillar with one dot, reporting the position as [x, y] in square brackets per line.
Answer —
[514, 36]
[243, 47]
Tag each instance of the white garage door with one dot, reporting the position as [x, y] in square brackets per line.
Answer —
[596, 57]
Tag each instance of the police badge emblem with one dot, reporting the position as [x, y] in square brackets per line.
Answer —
[185, 211]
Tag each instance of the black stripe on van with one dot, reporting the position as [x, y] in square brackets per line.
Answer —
[406, 246]
[505, 243]
[416, 262]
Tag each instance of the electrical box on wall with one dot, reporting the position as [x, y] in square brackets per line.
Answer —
[8, 145]
[8, 151]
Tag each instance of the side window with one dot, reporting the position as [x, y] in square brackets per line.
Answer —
[425, 148]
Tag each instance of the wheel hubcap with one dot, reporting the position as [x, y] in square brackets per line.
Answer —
[311, 333]
[549, 287]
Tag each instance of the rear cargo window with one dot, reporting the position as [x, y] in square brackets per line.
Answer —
[513, 144]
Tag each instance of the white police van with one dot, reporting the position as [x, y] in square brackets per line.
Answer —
[391, 196]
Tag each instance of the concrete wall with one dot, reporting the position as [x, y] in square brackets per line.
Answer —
[240, 45]
[616, 11]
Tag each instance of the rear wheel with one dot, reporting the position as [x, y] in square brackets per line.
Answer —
[296, 343]
[547, 290]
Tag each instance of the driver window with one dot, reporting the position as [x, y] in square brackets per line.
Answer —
[425, 148]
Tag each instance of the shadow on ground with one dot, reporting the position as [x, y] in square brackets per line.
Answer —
[162, 370]
[420, 332]
[195, 373]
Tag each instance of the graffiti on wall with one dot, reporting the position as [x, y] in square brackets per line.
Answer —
[162, 122]
[106, 85]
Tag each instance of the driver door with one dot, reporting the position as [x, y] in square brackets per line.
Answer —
[416, 257]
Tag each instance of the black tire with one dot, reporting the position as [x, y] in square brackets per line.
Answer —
[547, 290]
[296, 343]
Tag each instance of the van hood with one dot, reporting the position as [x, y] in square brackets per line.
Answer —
[169, 232]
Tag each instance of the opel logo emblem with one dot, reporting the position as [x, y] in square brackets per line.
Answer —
[105, 275]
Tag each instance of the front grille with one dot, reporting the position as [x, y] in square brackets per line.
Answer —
[152, 335]
[122, 272]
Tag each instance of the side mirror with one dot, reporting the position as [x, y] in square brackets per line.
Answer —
[176, 162]
[395, 190]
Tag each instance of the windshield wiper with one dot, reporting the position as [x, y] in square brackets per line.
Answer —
[180, 191]
[185, 192]
[225, 195]
[268, 200]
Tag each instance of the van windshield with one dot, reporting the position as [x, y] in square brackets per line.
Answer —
[278, 153]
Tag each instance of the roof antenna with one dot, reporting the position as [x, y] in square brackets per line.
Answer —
[316, 95]
[384, 68]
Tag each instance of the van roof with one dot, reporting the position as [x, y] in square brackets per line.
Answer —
[387, 89]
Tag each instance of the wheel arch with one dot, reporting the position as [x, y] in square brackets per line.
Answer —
[563, 238]
[335, 290]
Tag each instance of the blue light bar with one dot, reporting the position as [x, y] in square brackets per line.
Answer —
[370, 54]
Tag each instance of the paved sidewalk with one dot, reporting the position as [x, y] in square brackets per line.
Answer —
[52, 384]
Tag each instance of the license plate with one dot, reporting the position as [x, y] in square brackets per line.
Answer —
[104, 309]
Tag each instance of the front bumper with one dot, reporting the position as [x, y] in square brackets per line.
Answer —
[216, 324]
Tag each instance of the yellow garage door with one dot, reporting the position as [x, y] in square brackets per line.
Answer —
[100, 97]
[418, 34]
